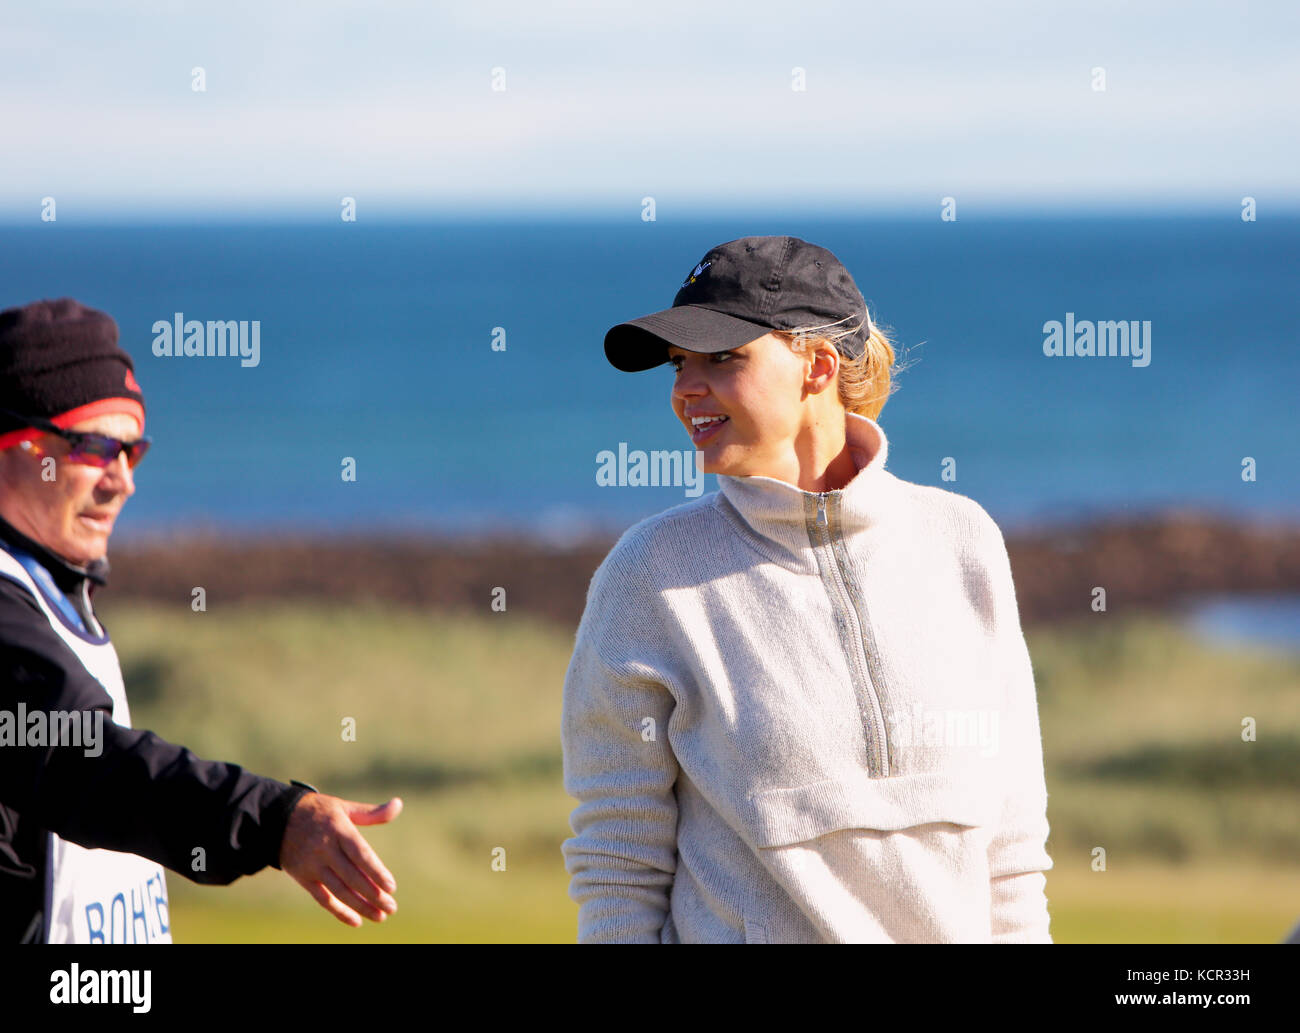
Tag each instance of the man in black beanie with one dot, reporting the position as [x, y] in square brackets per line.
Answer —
[91, 809]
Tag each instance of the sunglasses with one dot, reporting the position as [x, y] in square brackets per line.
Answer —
[92, 449]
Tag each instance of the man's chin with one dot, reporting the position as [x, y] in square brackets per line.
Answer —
[84, 549]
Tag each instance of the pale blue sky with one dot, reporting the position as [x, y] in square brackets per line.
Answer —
[391, 103]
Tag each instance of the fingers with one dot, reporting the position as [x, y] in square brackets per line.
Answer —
[364, 886]
[361, 856]
[371, 814]
[344, 896]
[331, 903]
[347, 897]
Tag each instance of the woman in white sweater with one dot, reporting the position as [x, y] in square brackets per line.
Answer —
[800, 708]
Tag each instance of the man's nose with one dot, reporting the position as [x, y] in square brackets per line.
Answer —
[120, 473]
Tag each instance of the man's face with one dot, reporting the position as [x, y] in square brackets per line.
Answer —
[67, 507]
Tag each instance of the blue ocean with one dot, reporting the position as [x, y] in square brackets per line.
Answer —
[376, 345]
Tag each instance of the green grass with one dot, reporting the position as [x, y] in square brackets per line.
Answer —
[460, 717]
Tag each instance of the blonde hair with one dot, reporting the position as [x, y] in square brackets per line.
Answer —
[865, 383]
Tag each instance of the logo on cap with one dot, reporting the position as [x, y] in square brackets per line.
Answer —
[132, 384]
[699, 269]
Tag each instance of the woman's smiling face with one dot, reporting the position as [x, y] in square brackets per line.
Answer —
[759, 390]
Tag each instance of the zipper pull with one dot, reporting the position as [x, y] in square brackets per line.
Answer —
[821, 510]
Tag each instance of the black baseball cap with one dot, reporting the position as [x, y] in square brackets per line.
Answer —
[740, 291]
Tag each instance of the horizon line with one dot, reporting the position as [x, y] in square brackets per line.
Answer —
[388, 215]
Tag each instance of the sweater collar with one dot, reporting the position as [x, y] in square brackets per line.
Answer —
[785, 516]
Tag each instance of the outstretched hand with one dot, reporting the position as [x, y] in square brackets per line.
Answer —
[326, 855]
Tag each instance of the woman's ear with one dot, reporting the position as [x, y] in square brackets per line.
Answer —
[824, 366]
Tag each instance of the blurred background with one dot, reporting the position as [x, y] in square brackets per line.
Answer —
[434, 212]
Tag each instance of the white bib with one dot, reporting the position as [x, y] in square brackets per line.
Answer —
[95, 896]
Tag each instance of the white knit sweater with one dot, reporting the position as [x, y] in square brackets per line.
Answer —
[806, 717]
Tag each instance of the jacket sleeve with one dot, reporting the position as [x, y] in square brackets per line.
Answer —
[132, 791]
[618, 764]
[1018, 854]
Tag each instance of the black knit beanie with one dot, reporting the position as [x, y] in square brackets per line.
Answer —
[60, 356]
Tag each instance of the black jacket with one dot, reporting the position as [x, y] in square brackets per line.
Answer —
[142, 794]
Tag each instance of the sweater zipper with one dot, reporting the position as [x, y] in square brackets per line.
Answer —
[848, 596]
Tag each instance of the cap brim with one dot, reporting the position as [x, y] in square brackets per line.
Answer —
[643, 343]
